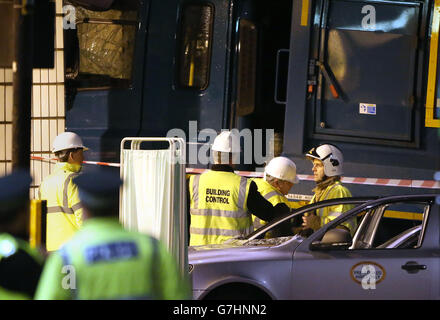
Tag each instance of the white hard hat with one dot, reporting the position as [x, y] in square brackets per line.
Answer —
[227, 141]
[331, 158]
[282, 168]
[67, 140]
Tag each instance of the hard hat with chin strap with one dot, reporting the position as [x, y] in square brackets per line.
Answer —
[331, 158]
[227, 141]
[281, 168]
[67, 140]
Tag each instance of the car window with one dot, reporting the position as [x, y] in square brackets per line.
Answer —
[397, 219]
[410, 242]
[391, 226]
[342, 233]
[406, 239]
[293, 226]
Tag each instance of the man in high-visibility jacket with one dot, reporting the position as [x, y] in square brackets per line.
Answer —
[20, 265]
[105, 261]
[327, 170]
[221, 201]
[63, 205]
[279, 178]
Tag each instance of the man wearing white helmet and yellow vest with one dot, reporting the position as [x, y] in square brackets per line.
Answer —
[220, 200]
[64, 212]
[279, 178]
[327, 170]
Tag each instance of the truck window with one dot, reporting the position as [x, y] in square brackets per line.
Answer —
[195, 49]
[99, 51]
[247, 64]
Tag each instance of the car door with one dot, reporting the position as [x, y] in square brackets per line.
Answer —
[365, 270]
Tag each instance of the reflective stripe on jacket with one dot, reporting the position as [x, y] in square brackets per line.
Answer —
[63, 205]
[327, 214]
[272, 195]
[218, 207]
[105, 261]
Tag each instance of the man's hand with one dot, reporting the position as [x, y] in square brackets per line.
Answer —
[311, 221]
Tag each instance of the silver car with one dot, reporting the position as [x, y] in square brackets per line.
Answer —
[393, 254]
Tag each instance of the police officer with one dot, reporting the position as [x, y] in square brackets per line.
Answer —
[279, 178]
[20, 265]
[63, 205]
[221, 201]
[105, 261]
[327, 170]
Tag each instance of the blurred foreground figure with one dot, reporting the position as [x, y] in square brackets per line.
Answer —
[105, 261]
[20, 265]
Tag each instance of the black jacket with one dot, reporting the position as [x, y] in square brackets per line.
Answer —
[20, 272]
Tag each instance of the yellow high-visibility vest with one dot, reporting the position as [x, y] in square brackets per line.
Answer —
[218, 207]
[274, 196]
[64, 211]
[111, 263]
[327, 214]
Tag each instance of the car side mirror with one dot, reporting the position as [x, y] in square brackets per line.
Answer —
[325, 246]
[334, 239]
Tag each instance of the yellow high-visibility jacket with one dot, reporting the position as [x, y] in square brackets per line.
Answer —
[327, 214]
[218, 207]
[272, 195]
[108, 262]
[64, 211]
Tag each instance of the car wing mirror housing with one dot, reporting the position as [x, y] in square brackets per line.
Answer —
[338, 238]
[325, 246]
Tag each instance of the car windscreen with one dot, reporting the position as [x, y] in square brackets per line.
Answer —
[287, 225]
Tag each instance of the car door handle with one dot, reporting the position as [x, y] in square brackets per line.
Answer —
[413, 267]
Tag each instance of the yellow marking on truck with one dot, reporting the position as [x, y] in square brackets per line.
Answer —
[191, 74]
[403, 215]
[35, 215]
[430, 120]
[305, 13]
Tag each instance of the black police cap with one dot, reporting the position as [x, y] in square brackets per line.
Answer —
[14, 192]
[98, 189]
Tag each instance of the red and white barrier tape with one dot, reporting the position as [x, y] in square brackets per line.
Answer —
[103, 164]
[426, 184]
[43, 159]
[86, 162]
